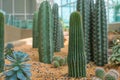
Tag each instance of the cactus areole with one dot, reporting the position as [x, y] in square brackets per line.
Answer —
[1, 42]
[76, 54]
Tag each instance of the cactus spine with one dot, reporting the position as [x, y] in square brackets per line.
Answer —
[76, 55]
[56, 31]
[45, 32]
[35, 30]
[1, 42]
[100, 34]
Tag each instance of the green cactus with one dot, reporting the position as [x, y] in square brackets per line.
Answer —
[61, 34]
[1, 42]
[45, 29]
[35, 30]
[18, 69]
[62, 61]
[114, 73]
[109, 77]
[83, 6]
[76, 53]
[100, 34]
[56, 29]
[56, 64]
[100, 73]
[56, 58]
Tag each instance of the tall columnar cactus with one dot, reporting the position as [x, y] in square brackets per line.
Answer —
[100, 34]
[35, 30]
[83, 6]
[56, 29]
[76, 53]
[61, 34]
[45, 29]
[1, 42]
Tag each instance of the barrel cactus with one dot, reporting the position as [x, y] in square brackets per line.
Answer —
[18, 69]
[1, 42]
[45, 32]
[76, 53]
[35, 30]
[100, 73]
[56, 28]
[100, 34]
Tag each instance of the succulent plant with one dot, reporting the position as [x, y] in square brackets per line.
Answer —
[45, 29]
[114, 59]
[109, 77]
[62, 61]
[100, 73]
[9, 49]
[56, 64]
[100, 34]
[1, 42]
[35, 30]
[56, 28]
[56, 58]
[76, 52]
[114, 73]
[18, 69]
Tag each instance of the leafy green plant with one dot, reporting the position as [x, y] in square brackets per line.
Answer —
[100, 73]
[18, 69]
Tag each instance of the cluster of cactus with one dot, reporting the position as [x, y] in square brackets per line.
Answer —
[57, 29]
[35, 30]
[114, 59]
[76, 53]
[102, 75]
[1, 42]
[9, 49]
[45, 32]
[18, 69]
[95, 30]
[59, 61]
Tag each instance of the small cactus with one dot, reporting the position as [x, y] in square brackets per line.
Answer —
[56, 58]
[100, 73]
[114, 73]
[109, 77]
[56, 64]
[62, 61]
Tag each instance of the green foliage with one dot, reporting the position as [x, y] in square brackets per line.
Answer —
[35, 30]
[1, 42]
[56, 29]
[56, 64]
[100, 73]
[45, 28]
[115, 57]
[76, 53]
[56, 58]
[18, 69]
